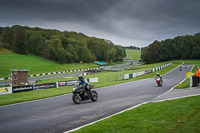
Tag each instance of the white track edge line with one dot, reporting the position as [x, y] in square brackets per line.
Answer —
[168, 99]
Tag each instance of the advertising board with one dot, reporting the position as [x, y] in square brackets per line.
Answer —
[22, 88]
[5, 90]
[44, 86]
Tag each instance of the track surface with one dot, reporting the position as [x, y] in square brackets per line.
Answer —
[59, 114]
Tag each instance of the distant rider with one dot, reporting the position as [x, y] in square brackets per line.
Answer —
[158, 76]
[84, 82]
[180, 68]
[185, 66]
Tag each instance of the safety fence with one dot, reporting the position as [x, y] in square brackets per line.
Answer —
[133, 75]
[9, 90]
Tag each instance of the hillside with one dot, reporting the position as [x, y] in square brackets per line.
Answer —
[35, 64]
[59, 46]
[133, 54]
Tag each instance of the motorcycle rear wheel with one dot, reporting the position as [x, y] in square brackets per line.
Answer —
[76, 99]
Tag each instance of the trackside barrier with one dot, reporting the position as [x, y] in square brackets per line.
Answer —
[133, 75]
[126, 76]
[130, 75]
[22, 88]
[5, 90]
[8, 90]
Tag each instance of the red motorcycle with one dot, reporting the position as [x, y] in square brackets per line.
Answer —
[159, 81]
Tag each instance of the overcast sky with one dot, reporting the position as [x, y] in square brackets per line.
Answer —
[124, 22]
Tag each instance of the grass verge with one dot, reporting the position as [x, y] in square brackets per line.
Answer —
[176, 116]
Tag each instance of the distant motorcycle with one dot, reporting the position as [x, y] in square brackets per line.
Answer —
[80, 94]
[159, 81]
[185, 66]
[180, 68]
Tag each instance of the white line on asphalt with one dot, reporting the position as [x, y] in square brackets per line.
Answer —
[175, 98]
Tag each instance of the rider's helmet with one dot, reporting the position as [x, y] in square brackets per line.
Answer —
[158, 74]
[80, 77]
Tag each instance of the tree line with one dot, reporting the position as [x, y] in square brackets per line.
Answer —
[180, 47]
[62, 47]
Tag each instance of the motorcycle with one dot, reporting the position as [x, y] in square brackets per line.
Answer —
[80, 94]
[185, 66]
[180, 68]
[159, 81]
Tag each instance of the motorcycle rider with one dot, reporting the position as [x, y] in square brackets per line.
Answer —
[84, 83]
[185, 66]
[158, 76]
[180, 68]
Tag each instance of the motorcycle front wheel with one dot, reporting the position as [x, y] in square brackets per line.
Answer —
[94, 96]
[76, 99]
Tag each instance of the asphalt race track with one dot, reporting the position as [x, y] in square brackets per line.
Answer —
[59, 114]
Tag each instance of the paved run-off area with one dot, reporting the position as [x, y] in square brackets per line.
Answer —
[178, 93]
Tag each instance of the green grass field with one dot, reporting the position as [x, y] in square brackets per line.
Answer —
[35, 64]
[177, 116]
[133, 54]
